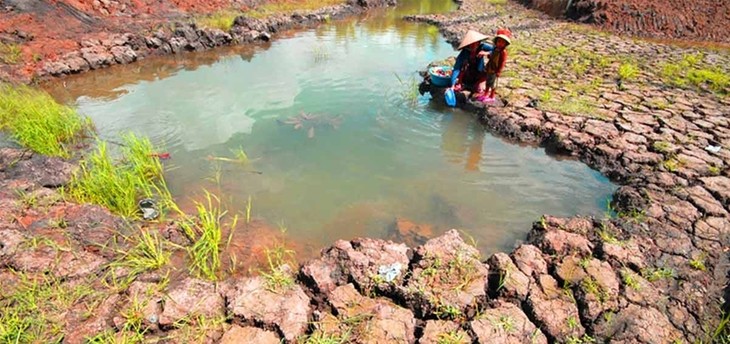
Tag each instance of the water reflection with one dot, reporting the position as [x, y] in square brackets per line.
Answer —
[462, 141]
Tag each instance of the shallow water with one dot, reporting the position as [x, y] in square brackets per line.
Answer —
[366, 153]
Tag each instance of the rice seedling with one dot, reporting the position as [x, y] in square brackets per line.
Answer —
[36, 121]
[206, 233]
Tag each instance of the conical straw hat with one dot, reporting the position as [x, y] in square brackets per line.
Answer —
[471, 37]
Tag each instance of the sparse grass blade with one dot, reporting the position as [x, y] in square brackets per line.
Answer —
[222, 20]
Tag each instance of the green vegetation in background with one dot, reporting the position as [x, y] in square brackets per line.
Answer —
[692, 70]
[118, 185]
[288, 6]
[10, 53]
[222, 20]
[36, 121]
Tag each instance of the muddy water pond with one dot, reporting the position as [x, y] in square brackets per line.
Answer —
[339, 144]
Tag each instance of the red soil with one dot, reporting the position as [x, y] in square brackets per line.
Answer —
[45, 29]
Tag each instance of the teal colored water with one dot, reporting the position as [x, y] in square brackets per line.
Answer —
[339, 145]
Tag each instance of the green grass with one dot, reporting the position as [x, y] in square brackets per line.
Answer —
[289, 6]
[29, 314]
[38, 122]
[661, 147]
[408, 90]
[278, 279]
[119, 185]
[497, 2]
[693, 71]
[445, 311]
[590, 286]
[111, 337]
[222, 20]
[451, 337]
[326, 338]
[672, 164]
[655, 274]
[10, 53]
[148, 254]
[698, 263]
[628, 71]
[572, 106]
[629, 279]
[206, 232]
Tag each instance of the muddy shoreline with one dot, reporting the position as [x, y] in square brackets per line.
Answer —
[657, 273]
[175, 35]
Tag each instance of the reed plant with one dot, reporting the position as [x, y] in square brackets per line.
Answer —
[205, 231]
[38, 122]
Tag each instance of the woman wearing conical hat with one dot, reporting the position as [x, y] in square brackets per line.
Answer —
[470, 71]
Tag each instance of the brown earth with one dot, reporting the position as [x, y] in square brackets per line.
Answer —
[58, 37]
[704, 20]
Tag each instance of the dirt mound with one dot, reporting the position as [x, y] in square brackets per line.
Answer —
[706, 20]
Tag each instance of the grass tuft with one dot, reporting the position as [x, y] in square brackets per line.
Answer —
[693, 71]
[206, 233]
[36, 121]
[149, 254]
[277, 277]
[119, 185]
[628, 71]
[222, 20]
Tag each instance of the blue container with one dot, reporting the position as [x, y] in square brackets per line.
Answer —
[450, 97]
[440, 80]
